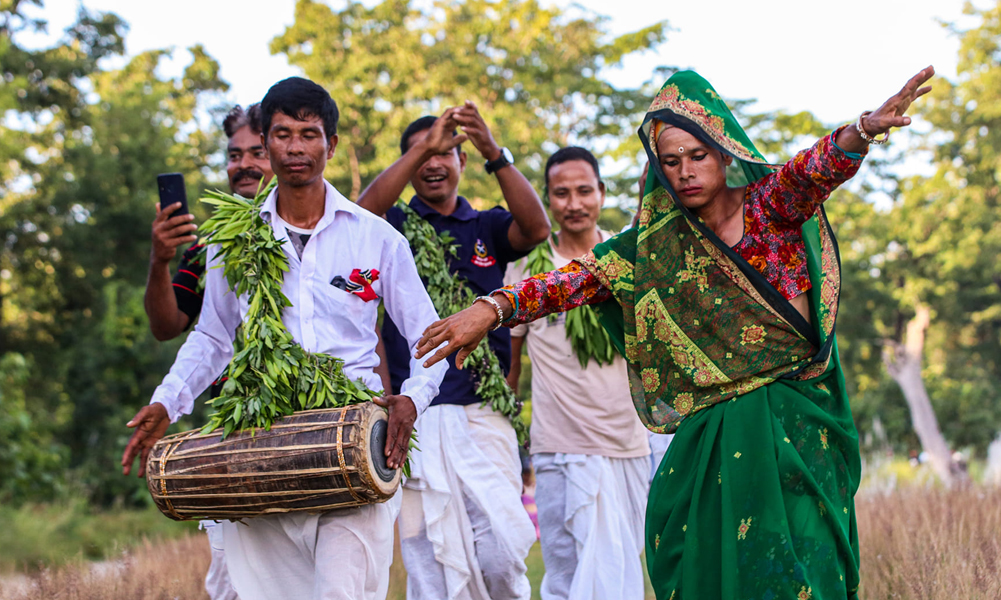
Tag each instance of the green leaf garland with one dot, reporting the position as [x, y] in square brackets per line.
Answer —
[588, 338]
[449, 295]
[270, 376]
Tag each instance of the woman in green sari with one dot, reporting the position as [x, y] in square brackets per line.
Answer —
[724, 301]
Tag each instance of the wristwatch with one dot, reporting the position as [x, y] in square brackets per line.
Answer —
[505, 159]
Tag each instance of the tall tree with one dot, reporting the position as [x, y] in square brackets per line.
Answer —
[949, 230]
[77, 200]
[534, 72]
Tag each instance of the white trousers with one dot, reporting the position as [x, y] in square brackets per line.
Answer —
[217, 582]
[343, 554]
[659, 443]
[591, 517]
[464, 533]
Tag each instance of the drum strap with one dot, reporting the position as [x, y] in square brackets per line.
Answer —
[340, 458]
[164, 459]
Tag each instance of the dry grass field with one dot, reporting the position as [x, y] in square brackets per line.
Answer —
[928, 544]
[917, 544]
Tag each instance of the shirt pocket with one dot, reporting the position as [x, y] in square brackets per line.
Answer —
[350, 315]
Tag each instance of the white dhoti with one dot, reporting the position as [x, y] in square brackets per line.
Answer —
[659, 443]
[343, 554]
[591, 516]
[217, 582]
[464, 533]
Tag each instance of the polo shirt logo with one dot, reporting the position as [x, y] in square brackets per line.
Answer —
[481, 258]
[359, 283]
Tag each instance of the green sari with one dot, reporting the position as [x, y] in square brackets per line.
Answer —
[754, 498]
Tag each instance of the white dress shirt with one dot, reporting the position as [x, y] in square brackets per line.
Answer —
[322, 318]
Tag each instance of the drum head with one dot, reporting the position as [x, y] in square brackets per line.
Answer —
[377, 442]
[384, 479]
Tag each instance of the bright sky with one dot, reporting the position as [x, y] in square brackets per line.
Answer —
[833, 58]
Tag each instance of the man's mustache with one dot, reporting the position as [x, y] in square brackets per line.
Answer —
[248, 174]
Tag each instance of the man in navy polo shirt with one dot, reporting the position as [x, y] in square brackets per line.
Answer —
[464, 532]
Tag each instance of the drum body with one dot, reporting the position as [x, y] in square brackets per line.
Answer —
[310, 461]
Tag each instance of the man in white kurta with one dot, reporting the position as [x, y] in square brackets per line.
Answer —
[342, 554]
[589, 449]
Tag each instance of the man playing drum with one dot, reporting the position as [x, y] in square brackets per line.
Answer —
[172, 305]
[342, 554]
[464, 532]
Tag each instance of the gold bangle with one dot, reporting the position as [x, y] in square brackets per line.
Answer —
[865, 136]
[497, 307]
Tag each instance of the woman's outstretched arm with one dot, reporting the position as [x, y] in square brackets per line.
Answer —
[889, 115]
[793, 193]
[556, 291]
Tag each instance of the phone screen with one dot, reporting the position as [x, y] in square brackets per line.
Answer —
[171, 187]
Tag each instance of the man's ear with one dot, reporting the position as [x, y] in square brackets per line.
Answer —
[332, 145]
[462, 161]
[601, 190]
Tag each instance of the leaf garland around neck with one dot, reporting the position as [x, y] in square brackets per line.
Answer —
[449, 295]
[587, 337]
[271, 375]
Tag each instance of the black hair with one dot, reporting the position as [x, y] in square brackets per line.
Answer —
[422, 124]
[571, 153]
[237, 118]
[299, 98]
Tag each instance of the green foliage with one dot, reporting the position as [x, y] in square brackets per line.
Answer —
[588, 338]
[449, 295]
[271, 375]
[48, 535]
[79, 153]
[533, 71]
[942, 238]
[31, 462]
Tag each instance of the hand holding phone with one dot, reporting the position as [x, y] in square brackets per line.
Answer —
[171, 187]
[172, 226]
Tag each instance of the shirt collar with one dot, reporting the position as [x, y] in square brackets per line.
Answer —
[463, 210]
[334, 202]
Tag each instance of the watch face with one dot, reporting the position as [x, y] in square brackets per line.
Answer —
[507, 155]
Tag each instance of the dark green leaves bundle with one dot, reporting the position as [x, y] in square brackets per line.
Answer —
[449, 295]
[588, 338]
[270, 375]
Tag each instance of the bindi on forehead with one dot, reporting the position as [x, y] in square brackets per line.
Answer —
[679, 151]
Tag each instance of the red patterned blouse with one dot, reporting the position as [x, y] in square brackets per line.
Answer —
[775, 207]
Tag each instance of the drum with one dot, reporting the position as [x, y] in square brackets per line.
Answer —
[310, 461]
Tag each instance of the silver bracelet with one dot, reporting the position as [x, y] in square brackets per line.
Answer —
[865, 136]
[497, 307]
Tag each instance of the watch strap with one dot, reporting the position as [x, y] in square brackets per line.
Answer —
[492, 166]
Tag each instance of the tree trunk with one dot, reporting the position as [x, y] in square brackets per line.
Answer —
[355, 173]
[903, 362]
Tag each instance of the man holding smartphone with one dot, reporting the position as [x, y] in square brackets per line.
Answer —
[173, 304]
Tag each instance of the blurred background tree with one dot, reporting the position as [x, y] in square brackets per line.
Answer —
[79, 157]
[533, 71]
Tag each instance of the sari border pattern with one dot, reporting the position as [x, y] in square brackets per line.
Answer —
[670, 98]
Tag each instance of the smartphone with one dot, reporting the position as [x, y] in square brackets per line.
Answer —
[172, 191]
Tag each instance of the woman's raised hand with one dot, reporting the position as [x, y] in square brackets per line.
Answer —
[891, 114]
[461, 332]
